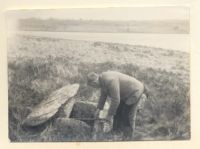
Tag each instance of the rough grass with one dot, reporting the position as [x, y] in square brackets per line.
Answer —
[37, 66]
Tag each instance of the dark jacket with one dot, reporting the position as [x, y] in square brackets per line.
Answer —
[118, 87]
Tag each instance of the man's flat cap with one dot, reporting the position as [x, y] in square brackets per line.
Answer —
[91, 77]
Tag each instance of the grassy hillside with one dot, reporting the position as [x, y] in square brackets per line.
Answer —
[37, 66]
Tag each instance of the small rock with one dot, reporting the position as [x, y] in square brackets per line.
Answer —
[83, 109]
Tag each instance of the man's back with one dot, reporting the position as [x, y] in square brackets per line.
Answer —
[127, 85]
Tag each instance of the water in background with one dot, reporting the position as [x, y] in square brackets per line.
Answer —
[180, 42]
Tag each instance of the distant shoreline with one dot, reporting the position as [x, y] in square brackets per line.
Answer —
[99, 32]
[145, 26]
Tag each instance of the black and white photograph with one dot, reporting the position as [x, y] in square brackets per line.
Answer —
[99, 74]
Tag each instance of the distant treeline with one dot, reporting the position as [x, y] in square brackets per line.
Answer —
[144, 26]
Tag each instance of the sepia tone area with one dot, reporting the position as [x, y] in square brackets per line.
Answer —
[38, 65]
[34, 73]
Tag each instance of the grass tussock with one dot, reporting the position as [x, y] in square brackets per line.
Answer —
[165, 116]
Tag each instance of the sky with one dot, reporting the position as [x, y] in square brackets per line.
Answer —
[132, 13]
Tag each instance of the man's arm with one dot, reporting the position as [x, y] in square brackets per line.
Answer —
[114, 92]
[102, 99]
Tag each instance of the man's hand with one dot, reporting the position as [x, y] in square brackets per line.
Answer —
[108, 124]
[109, 118]
[96, 115]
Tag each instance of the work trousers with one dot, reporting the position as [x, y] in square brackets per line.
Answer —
[125, 118]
